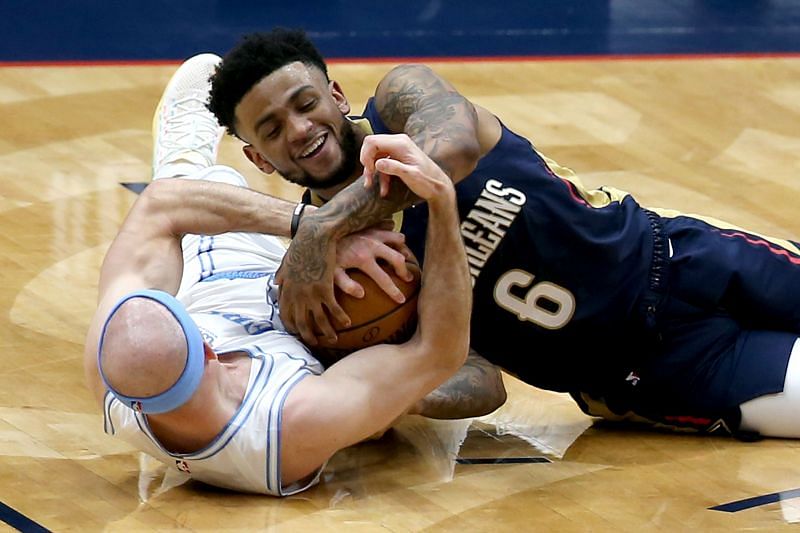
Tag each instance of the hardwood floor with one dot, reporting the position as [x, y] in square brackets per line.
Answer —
[717, 136]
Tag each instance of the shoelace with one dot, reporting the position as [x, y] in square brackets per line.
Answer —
[184, 131]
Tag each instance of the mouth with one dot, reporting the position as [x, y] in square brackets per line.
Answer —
[314, 148]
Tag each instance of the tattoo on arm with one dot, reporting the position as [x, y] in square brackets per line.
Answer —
[475, 390]
[352, 209]
[355, 208]
[414, 100]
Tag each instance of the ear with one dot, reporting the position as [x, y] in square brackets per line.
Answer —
[257, 159]
[208, 352]
[339, 97]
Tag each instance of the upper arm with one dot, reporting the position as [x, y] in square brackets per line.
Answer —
[356, 397]
[455, 133]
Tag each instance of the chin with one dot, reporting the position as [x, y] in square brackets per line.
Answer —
[336, 180]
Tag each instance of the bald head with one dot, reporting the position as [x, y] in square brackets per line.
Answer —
[144, 349]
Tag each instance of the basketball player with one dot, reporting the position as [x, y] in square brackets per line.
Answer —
[186, 353]
[638, 313]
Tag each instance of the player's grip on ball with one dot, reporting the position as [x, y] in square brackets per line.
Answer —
[376, 318]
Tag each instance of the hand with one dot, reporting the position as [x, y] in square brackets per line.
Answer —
[396, 155]
[362, 250]
[306, 280]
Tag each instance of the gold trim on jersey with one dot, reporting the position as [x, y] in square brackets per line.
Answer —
[605, 195]
[721, 224]
[594, 197]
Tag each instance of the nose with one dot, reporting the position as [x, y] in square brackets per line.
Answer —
[298, 128]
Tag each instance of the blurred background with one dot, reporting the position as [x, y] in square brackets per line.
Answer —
[145, 30]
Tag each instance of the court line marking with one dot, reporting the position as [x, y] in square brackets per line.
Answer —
[19, 521]
[500, 460]
[756, 501]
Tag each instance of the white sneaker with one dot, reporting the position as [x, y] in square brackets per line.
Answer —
[186, 134]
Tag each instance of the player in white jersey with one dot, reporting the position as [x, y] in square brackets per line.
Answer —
[186, 352]
[227, 291]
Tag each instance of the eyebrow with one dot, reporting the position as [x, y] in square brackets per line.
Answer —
[269, 116]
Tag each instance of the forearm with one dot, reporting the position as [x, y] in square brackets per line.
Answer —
[209, 208]
[355, 208]
[352, 209]
[475, 390]
[445, 300]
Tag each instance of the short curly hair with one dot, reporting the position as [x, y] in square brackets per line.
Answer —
[254, 58]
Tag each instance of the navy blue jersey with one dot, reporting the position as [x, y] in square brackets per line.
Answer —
[559, 272]
[640, 314]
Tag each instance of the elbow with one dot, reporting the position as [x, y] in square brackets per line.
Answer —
[498, 395]
[158, 202]
[153, 196]
[451, 350]
[470, 154]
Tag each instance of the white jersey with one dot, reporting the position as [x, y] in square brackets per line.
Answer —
[228, 291]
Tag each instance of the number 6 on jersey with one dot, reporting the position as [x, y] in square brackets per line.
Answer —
[546, 304]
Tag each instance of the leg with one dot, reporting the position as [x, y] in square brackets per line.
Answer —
[706, 367]
[754, 278]
[186, 137]
[777, 415]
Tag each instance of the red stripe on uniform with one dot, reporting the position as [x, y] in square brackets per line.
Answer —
[575, 196]
[761, 242]
[690, 420]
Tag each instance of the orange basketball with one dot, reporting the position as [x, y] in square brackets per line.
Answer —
[375, 318]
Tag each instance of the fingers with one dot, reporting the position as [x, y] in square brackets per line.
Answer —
[397, 260]
[347, 284]
[336, 312]
[326, 330]
[422, 185]
[306, 332]
[317, 323]
[376, 147]
[385, 283]
[385, 182]
[311, 313]
[396, 242]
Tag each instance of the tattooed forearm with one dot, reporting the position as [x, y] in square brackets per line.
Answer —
[475, 390]
[306, 257]
[355, 208]
[352, 209]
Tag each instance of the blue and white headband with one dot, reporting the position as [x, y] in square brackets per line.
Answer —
[189, 380]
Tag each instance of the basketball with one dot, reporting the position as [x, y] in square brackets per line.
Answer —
[375, 318]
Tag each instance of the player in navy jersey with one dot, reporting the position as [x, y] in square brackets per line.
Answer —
[639, 314]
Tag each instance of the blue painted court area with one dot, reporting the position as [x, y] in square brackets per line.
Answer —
[89, 30]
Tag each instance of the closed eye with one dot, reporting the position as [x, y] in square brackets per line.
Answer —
[308, 106]
[272, 133]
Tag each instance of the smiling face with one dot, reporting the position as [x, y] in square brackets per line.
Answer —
[295, 122]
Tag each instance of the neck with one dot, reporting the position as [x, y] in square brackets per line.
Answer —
[194, 425]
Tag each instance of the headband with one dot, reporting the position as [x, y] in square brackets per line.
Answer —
[180, 392]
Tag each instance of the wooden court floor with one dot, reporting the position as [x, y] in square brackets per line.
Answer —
[715, 136]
